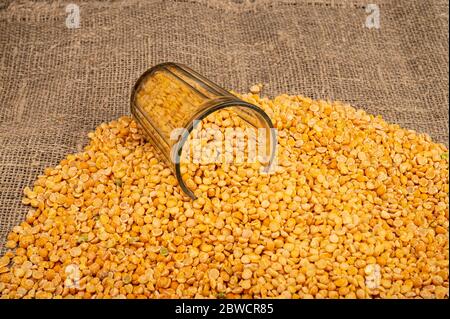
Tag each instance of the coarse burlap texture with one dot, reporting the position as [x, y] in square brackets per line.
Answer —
[57, 83]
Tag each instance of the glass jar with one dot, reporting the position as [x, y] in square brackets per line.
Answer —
[170, 96]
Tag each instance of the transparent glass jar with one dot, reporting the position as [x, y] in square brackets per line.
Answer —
[170, 96]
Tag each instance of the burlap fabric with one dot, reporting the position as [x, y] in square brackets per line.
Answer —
[57, 83]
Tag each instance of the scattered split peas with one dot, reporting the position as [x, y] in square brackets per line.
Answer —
[358, 208]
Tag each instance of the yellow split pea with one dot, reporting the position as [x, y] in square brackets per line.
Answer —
[358, 208]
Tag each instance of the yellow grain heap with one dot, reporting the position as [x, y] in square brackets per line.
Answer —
[358, 209]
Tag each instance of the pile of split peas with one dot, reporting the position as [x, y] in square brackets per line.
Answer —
[358, 208]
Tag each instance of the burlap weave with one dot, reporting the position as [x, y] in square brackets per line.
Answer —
[57, 84]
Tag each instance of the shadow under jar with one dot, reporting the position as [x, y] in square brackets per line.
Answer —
[170, 96]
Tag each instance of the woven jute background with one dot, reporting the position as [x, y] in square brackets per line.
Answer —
[58, 83]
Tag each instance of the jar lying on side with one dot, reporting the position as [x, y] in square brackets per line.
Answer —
[170, 100]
